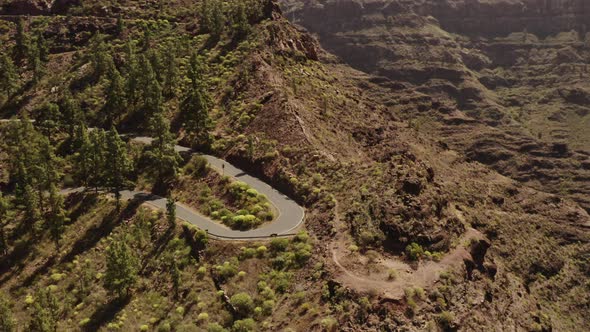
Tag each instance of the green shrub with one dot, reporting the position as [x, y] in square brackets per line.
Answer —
[301, 237]
[164, 327]
[329, 324]
[243, 303]
[268, 307]
[227, 270]
[214, 327]
[244, 325]
[261, 251]
[248, 253]
[420, 293]
[197, 166]
[144, 328]
[414, 251]
[392, 274]
[446, 319]
[278, 245]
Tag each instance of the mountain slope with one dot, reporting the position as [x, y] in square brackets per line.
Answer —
[372, 183]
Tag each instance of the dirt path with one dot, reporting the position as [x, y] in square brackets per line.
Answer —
[355, 271]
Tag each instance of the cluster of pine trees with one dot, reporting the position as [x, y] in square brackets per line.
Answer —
[30, 52]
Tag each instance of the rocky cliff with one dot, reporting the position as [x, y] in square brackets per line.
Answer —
[503, 81]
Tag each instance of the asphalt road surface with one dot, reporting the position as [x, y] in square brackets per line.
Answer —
[290, 214]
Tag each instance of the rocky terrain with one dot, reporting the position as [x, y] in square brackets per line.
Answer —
[503, 81]
[406, 226]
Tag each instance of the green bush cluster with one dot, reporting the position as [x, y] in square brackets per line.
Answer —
[254, 208]
[414, 251]
[198, 166]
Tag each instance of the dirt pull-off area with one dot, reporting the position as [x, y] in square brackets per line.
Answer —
[390, 276]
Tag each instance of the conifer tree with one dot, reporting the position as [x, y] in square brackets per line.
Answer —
[72, 114]
[23, 42]
[97, 158]
[36, 65]
[152, 90]
[205, 16]
[163, 158]
[121, 272]
[101, 59]
[217, 20]
[241, 25]
[4, 210]
[57, 216]
[120, 25]
[45, 313]
[7, 321]
[131, 72]
[172, 73]
[83, 158]
[155, 60]
[118, 165]
[115, 104]
[175, 271]
[31, 206]
[195, 106]
[147, 40]
[42, 46]
[49, 119]
[171, 212]
[8, 75]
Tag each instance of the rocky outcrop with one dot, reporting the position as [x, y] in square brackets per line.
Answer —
[512, 75]
[36, 7]
[502, 17]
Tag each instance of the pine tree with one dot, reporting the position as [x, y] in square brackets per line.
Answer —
[172, 73]
[152, 90]
[171, 212]
[49, 119]
[72, 114]
[120, 25]
[36, 65]
[101, 59]
[132, 73]
[7, 321]
[4, 210]
[45, 172]
[155, 60]
[175, 271]
[57, 216]
[118, 165]
[8, 75]
[42, 46]
[217, 23]
[83, 158]
[31, 206]
[163, 158]
[115, 104]
[195, 106]
[241, 25]
[121, 272]
[45, 313]
[23, 42]
[147, 40]
[205, 16]
[97, 159]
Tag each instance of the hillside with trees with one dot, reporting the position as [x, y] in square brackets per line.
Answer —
[400, 232]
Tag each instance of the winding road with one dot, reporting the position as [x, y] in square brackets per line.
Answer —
[290, 214]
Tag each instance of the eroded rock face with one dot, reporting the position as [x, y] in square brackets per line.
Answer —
[510, 76]
[502, 17]
[36, 7]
